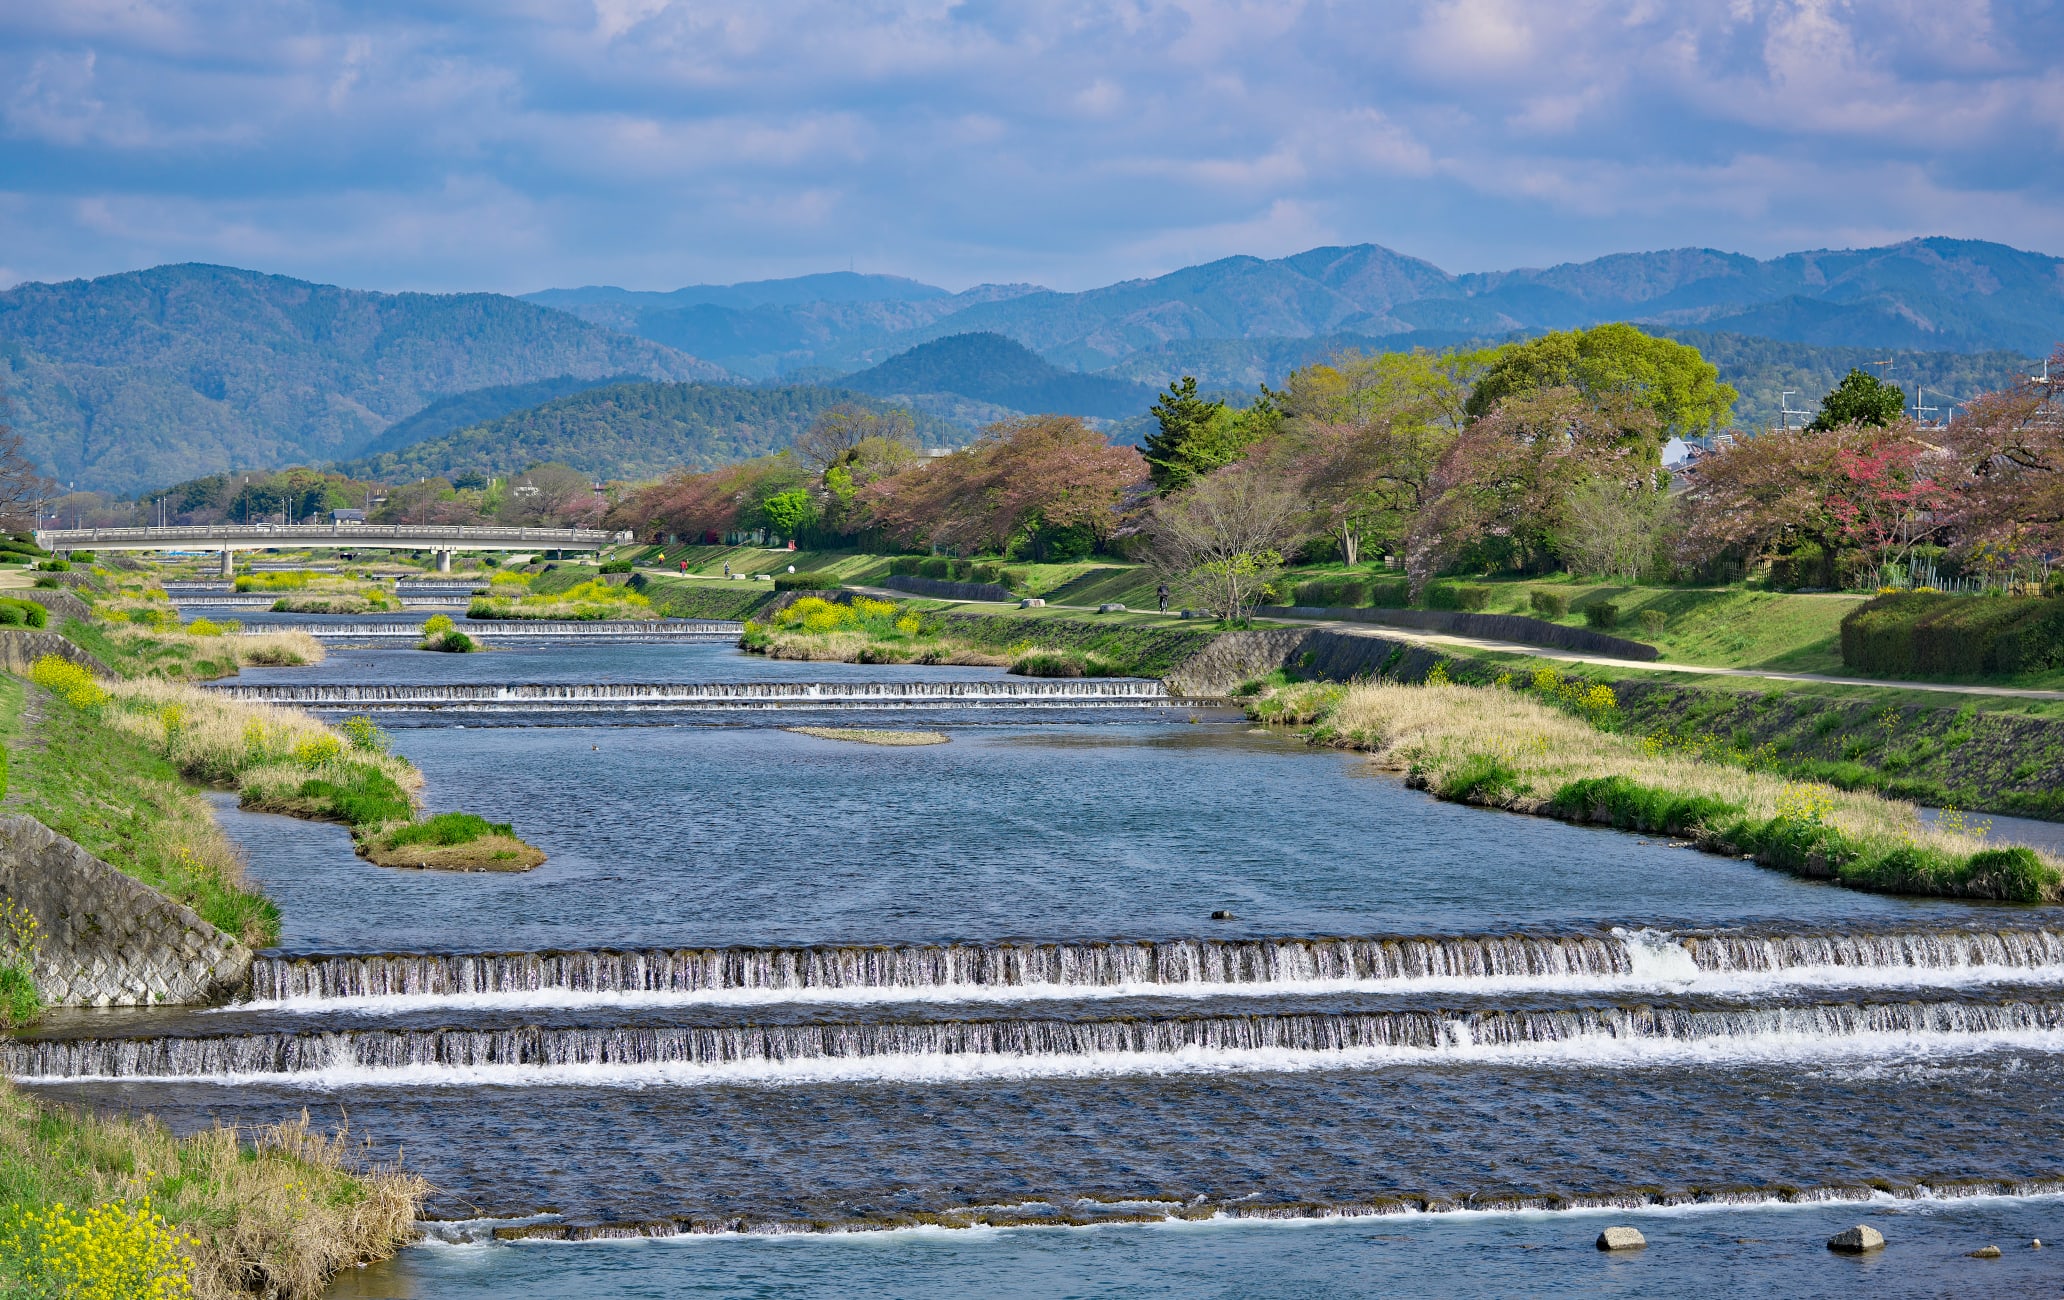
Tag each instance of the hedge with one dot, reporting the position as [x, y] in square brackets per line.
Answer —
[1457, 595]
[1924, 634]
[805, 582]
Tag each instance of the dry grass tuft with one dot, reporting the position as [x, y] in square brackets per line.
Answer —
[873, 735]
[277, 1211]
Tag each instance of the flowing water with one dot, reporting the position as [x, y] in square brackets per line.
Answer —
[791, 1016]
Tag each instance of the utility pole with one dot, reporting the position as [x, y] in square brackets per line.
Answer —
[1784, 408]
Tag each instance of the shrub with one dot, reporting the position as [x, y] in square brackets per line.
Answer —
[1549, 604]
[805, 582]
[23, 613]
[936, 566]
[20, 1000]
[1457, 595]
[1602, 613]
[55, 565]
[84, 557]
[617, 566]
[1331, 592]
[457, 643]
[364, 734]
[1062, 663]
[1926, 635]
[1390, 593]
[437, 624]
[1653, 622]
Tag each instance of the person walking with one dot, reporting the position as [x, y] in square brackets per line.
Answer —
[1161, 595]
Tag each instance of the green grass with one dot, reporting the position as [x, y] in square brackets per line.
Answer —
[445, 830]
[106, 792]
[675, 597]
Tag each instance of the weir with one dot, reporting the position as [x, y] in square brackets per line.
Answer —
[1073, 693]
[520, 630]
[1262, 964]
[170, 1056]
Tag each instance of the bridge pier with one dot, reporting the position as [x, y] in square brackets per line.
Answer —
[444, 559]
[228, 563]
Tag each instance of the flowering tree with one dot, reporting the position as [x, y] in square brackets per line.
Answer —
[1504, 487]
[2010, 444]
[1887, 498]
[1050, 471]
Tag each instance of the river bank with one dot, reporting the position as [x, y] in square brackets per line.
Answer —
[1501, 747]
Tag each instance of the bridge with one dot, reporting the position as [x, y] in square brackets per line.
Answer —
[442, 541]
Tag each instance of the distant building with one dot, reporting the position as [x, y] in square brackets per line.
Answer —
[347, 516]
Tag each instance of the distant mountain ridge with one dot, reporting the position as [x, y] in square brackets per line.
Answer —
[994, 369]
[1934, 294]
[628, 430]
[135, 380]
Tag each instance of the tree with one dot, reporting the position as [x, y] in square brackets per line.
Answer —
[1859, 399]
[1364, 434]
[1878, 490]
[553, 495]
[1500, 495]
[1615, 367]
[21, 487]
[1611, 527]
[2009, 445]
[833, 436]
[788, 513]
[1184, 437]
[1020, 476]
[1222, 540]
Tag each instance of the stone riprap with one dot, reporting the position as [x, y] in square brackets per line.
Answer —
[109, 940]
[20, 648]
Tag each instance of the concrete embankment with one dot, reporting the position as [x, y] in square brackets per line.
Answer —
[108, 940]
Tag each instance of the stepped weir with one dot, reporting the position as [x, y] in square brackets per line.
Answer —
[1208, 966]
[457, 696]
[530, 1047]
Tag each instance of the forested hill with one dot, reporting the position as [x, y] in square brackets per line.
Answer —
[139, 379]
[995, 369]
[620, 431]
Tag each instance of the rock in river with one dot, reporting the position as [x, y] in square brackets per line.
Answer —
[1856, 1240]
[1621, 1238]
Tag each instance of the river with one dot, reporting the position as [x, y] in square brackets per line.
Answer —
[791, 1016]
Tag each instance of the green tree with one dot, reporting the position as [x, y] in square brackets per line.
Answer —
[789, 512]
[1860, 398]
[1173, 451]
[1610, 365]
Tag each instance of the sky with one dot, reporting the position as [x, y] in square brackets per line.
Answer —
[515, 145]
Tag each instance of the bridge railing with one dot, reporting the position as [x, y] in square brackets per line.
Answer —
[425, 535]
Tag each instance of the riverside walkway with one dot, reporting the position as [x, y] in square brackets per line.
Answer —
[1578, 657]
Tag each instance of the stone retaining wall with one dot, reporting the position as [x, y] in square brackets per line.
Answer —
[1491, 627]
[941, 589]
[20, 648]
[1311, 653]
[109, 940]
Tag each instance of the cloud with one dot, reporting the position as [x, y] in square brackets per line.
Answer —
[469, 143]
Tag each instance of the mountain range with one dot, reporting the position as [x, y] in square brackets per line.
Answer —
[134, 380]
[1942, 295]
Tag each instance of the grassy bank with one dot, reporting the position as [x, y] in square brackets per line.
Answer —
[278, 760]
[113, 1207]
[109, 792]
[140, 644]
[1509, 748]
[878, 631]
[692, 598]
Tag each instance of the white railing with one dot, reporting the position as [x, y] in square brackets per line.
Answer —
[388, 536]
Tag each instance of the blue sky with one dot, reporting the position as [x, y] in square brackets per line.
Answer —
[520, 144]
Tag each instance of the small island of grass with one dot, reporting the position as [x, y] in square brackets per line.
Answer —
[453, 841]
[873, 735]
